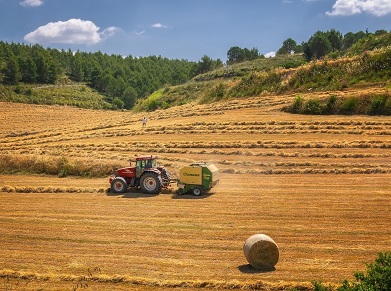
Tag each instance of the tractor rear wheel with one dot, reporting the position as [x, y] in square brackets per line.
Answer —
[118, 185]
[151, 183]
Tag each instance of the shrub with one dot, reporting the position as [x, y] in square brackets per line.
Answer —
[18, 89]
[387, 107]
[118, 103]
[64, 168]
[349, 105]
[366, 104]
[29, 92]
[331, 104]
[378, 105]
[377, 277]
[313, 106]
[153, 105]
[318, 286]
[297, 105]
[214, 94]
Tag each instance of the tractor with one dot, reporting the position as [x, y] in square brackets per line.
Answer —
[146, 175]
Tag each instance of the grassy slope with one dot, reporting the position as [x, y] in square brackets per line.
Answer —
[65, 92]
[366, 64]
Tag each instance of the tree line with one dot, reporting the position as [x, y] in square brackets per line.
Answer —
[322, 43]
[123, 80]
[319, 45]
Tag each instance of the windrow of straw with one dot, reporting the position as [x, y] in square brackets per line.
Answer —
[100, 280]
[306, 171]
[50, 189]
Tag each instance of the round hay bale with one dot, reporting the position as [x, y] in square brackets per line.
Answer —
[261, 252]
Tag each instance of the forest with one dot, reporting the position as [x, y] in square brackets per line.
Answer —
[125, 80]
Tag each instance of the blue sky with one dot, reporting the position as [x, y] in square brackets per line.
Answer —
[183, 29]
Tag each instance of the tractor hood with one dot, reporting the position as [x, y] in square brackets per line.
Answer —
[126, 172]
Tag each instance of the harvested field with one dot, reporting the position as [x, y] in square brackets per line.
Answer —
[319, 186]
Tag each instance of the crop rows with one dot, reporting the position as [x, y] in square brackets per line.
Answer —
[251, 128]
[319, 185]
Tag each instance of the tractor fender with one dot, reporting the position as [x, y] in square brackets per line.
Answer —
[156, 171]
[153, 171]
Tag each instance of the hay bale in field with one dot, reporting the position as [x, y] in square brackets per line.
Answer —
[261, 251]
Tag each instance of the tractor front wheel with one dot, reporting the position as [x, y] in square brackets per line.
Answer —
[150, 183]
[118, 185]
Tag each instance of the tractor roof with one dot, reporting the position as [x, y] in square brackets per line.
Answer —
[143, 158]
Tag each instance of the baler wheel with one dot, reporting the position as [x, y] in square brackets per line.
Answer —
[197, 191]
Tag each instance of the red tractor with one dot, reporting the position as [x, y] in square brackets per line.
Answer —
[146, 175]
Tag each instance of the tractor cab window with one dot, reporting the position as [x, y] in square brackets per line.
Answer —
[145, 164]
[140, 164]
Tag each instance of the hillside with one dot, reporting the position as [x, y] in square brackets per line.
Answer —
[100, 81]
[288, 74]
[64, 92]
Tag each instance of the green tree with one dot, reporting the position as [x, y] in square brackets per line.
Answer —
[235, 55]
[11, 71]
[288, 46]
[2, 65]
[129, 97]
[335, 38]
[205, 65]
[77, 73]
[28, 69]
[348, 40]
[307, 51]
[46, 68]
[252, 54]
[319, 45]
[381, 32]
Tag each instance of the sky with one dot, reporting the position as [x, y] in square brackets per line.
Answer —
[183, 29]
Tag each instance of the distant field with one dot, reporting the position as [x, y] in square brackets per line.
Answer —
[318, 185]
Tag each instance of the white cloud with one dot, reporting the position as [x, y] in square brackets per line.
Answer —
[110, 31]
[351, 7]
[158, 25]
[31, 3]
[73, 31]
[270, 55]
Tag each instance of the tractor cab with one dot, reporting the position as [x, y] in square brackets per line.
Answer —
[145, 162]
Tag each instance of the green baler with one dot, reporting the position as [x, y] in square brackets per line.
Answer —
[198, 178]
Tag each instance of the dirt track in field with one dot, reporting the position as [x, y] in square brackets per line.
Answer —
[319, 186]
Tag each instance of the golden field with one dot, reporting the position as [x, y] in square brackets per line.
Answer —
[318, 185]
